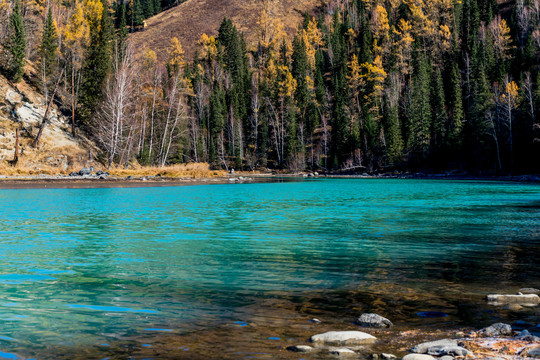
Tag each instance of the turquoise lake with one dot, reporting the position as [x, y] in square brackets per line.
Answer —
[88, 269]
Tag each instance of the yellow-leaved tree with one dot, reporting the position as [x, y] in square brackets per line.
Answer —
[175, 61]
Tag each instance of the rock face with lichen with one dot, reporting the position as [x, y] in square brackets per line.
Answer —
[22, 107]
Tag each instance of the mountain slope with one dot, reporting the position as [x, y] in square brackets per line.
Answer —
[191, 19]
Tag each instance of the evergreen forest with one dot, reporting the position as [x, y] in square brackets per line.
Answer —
[360, 86]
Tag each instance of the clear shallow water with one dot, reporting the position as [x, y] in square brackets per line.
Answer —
[91, 266]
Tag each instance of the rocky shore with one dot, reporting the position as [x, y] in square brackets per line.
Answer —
[499, 341]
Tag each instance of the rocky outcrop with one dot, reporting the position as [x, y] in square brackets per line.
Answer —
[22, 107]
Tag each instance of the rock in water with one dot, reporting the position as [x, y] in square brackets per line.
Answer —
[528, 299]
[342, 352]
[385, 356]
[300, 348]
[423, 348]
[343, 338]
[373, 320]
[417, 357]
[498, 329]
[529, 290]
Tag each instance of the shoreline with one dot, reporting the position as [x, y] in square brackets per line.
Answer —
[75, 182]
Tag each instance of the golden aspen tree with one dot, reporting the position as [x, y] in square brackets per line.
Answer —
[403, 46]
[175, 61]
[208, 46]
[502, 40]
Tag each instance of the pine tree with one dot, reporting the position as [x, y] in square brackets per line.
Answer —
[420, 110]
[97, 64]
[135, 14]
[456, 105]
[48, 49]
[438, 106]
[147, 8]
[16, 45]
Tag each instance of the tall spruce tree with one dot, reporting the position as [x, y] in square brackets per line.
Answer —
[16, 45]
[48, 50]
[97, 64]
[420, 110]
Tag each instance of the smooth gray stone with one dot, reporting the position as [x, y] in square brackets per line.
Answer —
[388, 356]
[452, 350]
[514, 299]
[343, 338]
[373, 320]
[417, 357]
[497, 329]
[423, 348]
[342, 352]
[446, 357]
[300, 348]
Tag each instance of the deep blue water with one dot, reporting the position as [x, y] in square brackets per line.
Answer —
[85, 266]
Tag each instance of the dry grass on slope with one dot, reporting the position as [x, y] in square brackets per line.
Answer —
[191, 170]
[191, 19]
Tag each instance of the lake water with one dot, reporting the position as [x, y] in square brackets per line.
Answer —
[100, 272]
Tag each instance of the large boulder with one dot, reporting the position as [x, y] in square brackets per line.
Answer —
[343, 338]
[373, 320]
[497, 329]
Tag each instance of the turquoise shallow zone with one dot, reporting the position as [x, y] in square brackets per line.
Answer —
[85, 266]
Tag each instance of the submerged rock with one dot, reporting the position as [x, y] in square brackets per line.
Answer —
[342, 352]
[417, 357]
[527, 336]
[424, 348]
[385, 356]
[520, 299]
[529, 290]
[300, 348]
[497, 329]
[373, 320]
[343, 338]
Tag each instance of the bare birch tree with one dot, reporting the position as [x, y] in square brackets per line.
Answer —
[116, 111]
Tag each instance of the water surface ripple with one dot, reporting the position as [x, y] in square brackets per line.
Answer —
[84, 266]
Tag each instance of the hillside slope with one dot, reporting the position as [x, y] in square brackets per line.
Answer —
[23, 107]
[191, 19]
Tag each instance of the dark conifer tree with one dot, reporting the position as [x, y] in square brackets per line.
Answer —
[48, 48]
[16, 45]
[97, 64]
